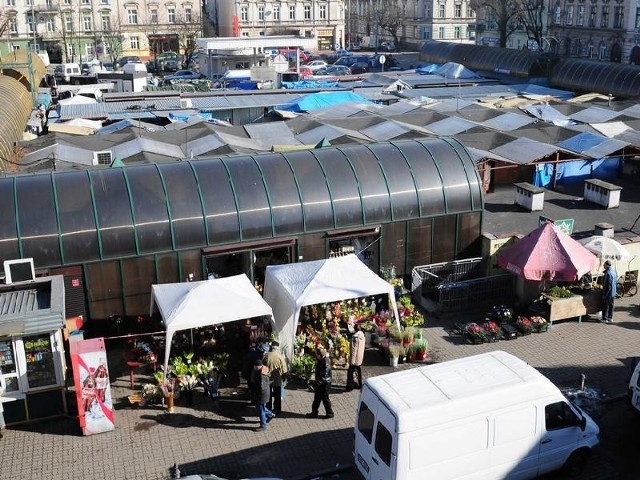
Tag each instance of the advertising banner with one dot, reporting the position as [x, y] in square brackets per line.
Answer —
[93, 390]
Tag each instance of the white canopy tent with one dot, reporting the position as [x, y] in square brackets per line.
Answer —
[289, 287]
[198, 304]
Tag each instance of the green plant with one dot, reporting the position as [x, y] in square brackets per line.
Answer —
[405, 301]
[396, 351]
[179, 367]
[420, 346]
[394, 333]
[560, 292]
[303, 367]
[408, 335]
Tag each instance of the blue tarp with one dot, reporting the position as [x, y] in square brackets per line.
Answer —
[309, 84]
[314, 101]
[427, 69]
[582, 142]
[577, 171]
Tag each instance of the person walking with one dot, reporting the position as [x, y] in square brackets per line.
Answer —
[260, 382]
[357, 345]
[278, 368]
[321, 384]
[608, 292]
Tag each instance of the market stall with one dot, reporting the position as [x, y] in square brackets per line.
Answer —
[198, 304]
[548, 255]
[290, 287]
[32, 363]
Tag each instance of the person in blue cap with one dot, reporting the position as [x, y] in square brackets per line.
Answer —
[608, 292]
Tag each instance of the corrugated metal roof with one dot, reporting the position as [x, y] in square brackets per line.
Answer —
[385, 131]
[508, 121]
[451, 126]
[594, 146]
[525, 150]
[28, 308]
[594, 115]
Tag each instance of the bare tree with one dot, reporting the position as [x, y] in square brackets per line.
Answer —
[67, 32]
[188, 30]
[5, 21]
[112, 38]
[506, 14]
[391, 19]
[532, 17]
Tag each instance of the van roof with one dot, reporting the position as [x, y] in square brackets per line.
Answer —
[451, 390]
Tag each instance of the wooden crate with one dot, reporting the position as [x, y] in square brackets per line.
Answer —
[572, 307]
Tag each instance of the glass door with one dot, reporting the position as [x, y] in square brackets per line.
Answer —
[8, 366]
[41, 366]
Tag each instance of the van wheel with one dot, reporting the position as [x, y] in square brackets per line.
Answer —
[576, 463]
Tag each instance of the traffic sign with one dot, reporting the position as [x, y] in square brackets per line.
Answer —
[337, 45]
[382, 59]
[565, 225]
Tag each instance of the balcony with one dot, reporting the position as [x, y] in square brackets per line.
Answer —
[46, 8]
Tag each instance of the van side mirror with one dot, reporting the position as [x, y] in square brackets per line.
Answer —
[583, 423]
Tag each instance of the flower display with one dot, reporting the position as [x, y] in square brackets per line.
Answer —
[502, 313]
[141, 351]
[473, 328]
[538, 320]
[524, 324]
[490, 327]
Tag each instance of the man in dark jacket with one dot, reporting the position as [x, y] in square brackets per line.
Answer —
[262, 393]
[322, 384]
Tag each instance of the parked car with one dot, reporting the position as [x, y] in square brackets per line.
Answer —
[184, 75]
[342, 53]
[124, 60]
[316, 65]
[359, 67]
[303, 72]
[388, 46]
[108, 66]
[334, 70]
[356, 47]
[351, 59]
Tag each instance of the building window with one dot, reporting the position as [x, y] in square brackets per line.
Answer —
[11, 3]
[307, 12]
[50, 24]
[68, 23]
[132, 15]
[569, 19]
[244, 14]
[29, 24]
[245, 34]
[323, 12]
[106, 22]
[441, 10]
[590, 50]
[619, 18]
[188, 15]
[458, 10]
[292, 12]
[134, 43]
[276, 13]
[441, 32]
[604, 21]
[28, 3]
[154, 16]
[85, 2]
[261, 13]
[580, 16]
[456, 32]
[592, 16]
[603, 52]
[13, 25]
[171, 15]
[86, 23]
[556, 16]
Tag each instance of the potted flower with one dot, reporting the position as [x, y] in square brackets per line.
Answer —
[474, 333]
[150, 394]
[491, 330]
[395, 351]
[538, 323]
[502, 313]
[408, 335]
[524, 325]
[420, 346]
[188, 384]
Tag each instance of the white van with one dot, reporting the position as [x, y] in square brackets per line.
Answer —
[634, 387]
[489, 416]
[65, 71]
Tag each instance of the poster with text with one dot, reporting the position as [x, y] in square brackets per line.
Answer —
[93, 391]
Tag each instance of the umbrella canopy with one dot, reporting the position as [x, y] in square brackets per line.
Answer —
[605, 248]
[547, 253]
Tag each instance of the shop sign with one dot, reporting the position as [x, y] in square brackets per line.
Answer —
[93, 391]
[565, 225]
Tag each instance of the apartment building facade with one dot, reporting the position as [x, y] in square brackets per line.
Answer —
[320, 19]
[413, 21]
[83, 30]
[595, 29]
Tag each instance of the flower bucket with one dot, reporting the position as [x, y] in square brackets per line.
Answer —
[170, 406]
[368, 338]
[421, 356]
[393, 361]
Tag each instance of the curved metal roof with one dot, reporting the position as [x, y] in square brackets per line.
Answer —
[519, 63]
[120, 212]
[592, 76]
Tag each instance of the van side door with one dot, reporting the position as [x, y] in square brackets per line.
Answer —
[374, 437]
[634, 388]
[562, 431]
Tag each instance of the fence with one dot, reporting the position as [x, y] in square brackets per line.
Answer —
[460, 285]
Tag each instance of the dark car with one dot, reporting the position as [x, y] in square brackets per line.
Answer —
[359, 67]
[124, 60]
[184, 75]
[351, 59]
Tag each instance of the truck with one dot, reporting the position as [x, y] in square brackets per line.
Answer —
[488, 416]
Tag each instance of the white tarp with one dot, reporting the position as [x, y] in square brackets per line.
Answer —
[289, 287]
[198, 304]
